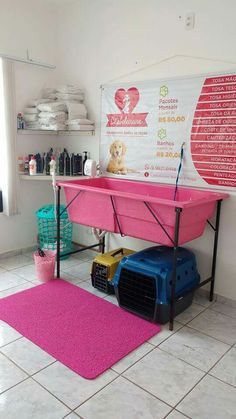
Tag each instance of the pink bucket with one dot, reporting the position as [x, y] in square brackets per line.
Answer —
[45, 266]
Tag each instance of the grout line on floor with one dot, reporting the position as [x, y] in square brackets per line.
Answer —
[222, 381]
[204, 333]
[18, 267]
[217, 311]
[24, 379]
[12, 341]
[175, 410]
[18, 366]
[52, 394]
[180, 359]
[207, 373]
[118, 375]
[147, 391]
[152, 349]
[190, 391]
[10, 288]
[184, 324]
[67, 415]
[172, 334]
[106, 385]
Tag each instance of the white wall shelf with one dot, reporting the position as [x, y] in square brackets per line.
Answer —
[50, 132]
[48, 177]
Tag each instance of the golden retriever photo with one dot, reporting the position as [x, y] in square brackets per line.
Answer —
[117, 160]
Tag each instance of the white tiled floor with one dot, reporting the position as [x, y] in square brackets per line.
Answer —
[186, 373]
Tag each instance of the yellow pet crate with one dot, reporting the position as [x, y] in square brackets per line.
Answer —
[104, 267]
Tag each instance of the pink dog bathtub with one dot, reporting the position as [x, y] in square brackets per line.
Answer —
[132, 207]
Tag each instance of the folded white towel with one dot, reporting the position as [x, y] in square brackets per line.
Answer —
[70, 88]
[52, 107]
[70, 96]
[80, 127]
[76, 110]
[49, 121]
[36, 102]
[54, 127]
[52, 96]
[82, 121]
[31, 110]
[32, 125]
[29, 117]
[49, 93]
[57, 114]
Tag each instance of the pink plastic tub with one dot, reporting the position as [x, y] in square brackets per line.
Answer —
[93, 207]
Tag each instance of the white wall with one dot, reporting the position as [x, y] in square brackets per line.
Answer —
[103, 40]
[32, 25]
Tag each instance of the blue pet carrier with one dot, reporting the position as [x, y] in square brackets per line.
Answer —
[143, 282]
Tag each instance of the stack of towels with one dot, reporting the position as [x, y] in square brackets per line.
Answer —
[58, 110]
[31, 113]
[52, 116]
[73, 97]
[80, 124]
[70, 93]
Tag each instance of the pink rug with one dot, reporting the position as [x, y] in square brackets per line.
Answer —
[84, 332]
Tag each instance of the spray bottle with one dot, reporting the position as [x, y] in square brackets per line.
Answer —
[32, 166]
[85, 158]
[53, 166]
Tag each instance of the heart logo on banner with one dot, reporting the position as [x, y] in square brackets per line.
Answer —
[126, 100]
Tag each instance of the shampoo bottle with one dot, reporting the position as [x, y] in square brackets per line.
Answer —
[80, 164]
[32, 166]
[72, 164]
[67, 161]
[61, 164]
[47, 161]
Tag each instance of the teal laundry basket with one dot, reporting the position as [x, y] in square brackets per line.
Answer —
[47, 226]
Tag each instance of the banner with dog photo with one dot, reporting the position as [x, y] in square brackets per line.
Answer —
[149, 128]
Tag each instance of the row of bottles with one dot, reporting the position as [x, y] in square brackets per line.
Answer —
[63, 164]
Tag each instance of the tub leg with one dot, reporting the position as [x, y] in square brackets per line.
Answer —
[213, 269]
[102, 245]
[58, 232]
[176, 245]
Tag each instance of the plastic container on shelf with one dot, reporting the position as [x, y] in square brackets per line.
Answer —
[47, 227]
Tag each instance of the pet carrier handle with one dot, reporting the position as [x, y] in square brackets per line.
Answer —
[117, 252]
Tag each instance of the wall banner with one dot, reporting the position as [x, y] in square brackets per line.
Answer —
[144, 125]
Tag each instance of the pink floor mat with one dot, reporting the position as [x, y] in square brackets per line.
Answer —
[84, 332]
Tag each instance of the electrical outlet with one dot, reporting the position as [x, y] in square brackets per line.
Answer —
[190, 21]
